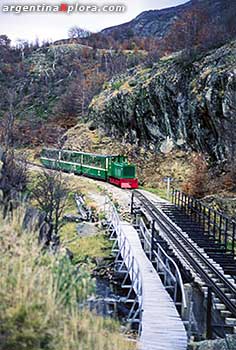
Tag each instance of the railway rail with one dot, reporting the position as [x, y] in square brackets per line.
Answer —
[211, 230]
[222, 286]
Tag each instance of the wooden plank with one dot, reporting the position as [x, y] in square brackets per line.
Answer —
[162, 327]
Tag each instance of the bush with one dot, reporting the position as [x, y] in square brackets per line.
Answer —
[197, 183]
[117, 85]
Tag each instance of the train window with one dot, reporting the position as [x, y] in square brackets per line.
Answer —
[94, 161]
[66, 156]
[129, 171]
[85, 159]
[51, 154]
[76, 158]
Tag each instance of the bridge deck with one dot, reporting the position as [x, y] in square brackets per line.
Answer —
[162, 327]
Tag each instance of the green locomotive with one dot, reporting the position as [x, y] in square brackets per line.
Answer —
[112, 168]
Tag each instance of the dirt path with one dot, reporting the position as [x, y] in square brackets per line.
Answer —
[96, 191]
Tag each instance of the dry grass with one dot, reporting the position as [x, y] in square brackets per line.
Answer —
[39, 293]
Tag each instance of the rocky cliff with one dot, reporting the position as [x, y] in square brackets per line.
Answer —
[177, 103]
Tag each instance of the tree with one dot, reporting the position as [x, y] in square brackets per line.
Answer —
[13, 173]
[77, 32]
[13, 179]
[23, 46]
[188, 32]
[50, 193]
[5, 41]
[75, 101]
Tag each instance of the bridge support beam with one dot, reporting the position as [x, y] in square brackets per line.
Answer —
[124, 264]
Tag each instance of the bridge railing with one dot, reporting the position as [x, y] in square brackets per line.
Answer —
[132, 270]
[164, 264]
[218, 227]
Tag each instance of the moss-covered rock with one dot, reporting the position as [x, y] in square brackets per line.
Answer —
[191, 103]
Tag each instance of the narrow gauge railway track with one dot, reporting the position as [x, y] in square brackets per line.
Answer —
[35, 164]
[220, 285]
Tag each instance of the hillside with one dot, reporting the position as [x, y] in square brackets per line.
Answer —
[54, 83]
[148, 23]
[158, 23]
[178, 103]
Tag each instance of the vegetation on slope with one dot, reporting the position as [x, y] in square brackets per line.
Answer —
[39, 295]
[53, 83]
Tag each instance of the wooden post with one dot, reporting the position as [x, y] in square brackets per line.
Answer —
[233, 238]
[214, 226]
[204, 219]
[220, 230]
[209, 222]
[226, 234]
[132, 203]
[172, 195]
[168, 188]
[152, 241]
[209, 314]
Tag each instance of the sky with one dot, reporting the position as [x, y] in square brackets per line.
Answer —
[55, 26]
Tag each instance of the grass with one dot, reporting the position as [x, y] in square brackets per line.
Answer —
[92, 249]
[158, 191]
[70, 205]
[85, 249]
[39, 299]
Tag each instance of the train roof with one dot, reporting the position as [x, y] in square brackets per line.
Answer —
[84, 153]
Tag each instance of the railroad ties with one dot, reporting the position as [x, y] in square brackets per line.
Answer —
[191, 242]
[161, 327]
[212, 231]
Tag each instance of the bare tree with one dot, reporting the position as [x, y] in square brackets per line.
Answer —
[4, 41]
[13, 172]
[50, 192]
[7, 132]
[77, 32]
[13, 179]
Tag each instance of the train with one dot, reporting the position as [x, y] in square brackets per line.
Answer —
[114, 169]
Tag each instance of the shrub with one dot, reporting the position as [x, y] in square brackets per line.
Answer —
[197, 183]
[117, 85]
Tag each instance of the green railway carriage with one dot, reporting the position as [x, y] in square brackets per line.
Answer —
[112, 168]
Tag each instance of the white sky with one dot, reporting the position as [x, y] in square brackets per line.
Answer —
[55, 26]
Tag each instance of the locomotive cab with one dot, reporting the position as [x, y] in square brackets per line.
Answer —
[123, 174]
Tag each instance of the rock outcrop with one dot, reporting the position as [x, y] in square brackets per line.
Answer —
[217, 344]
[188, 104]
